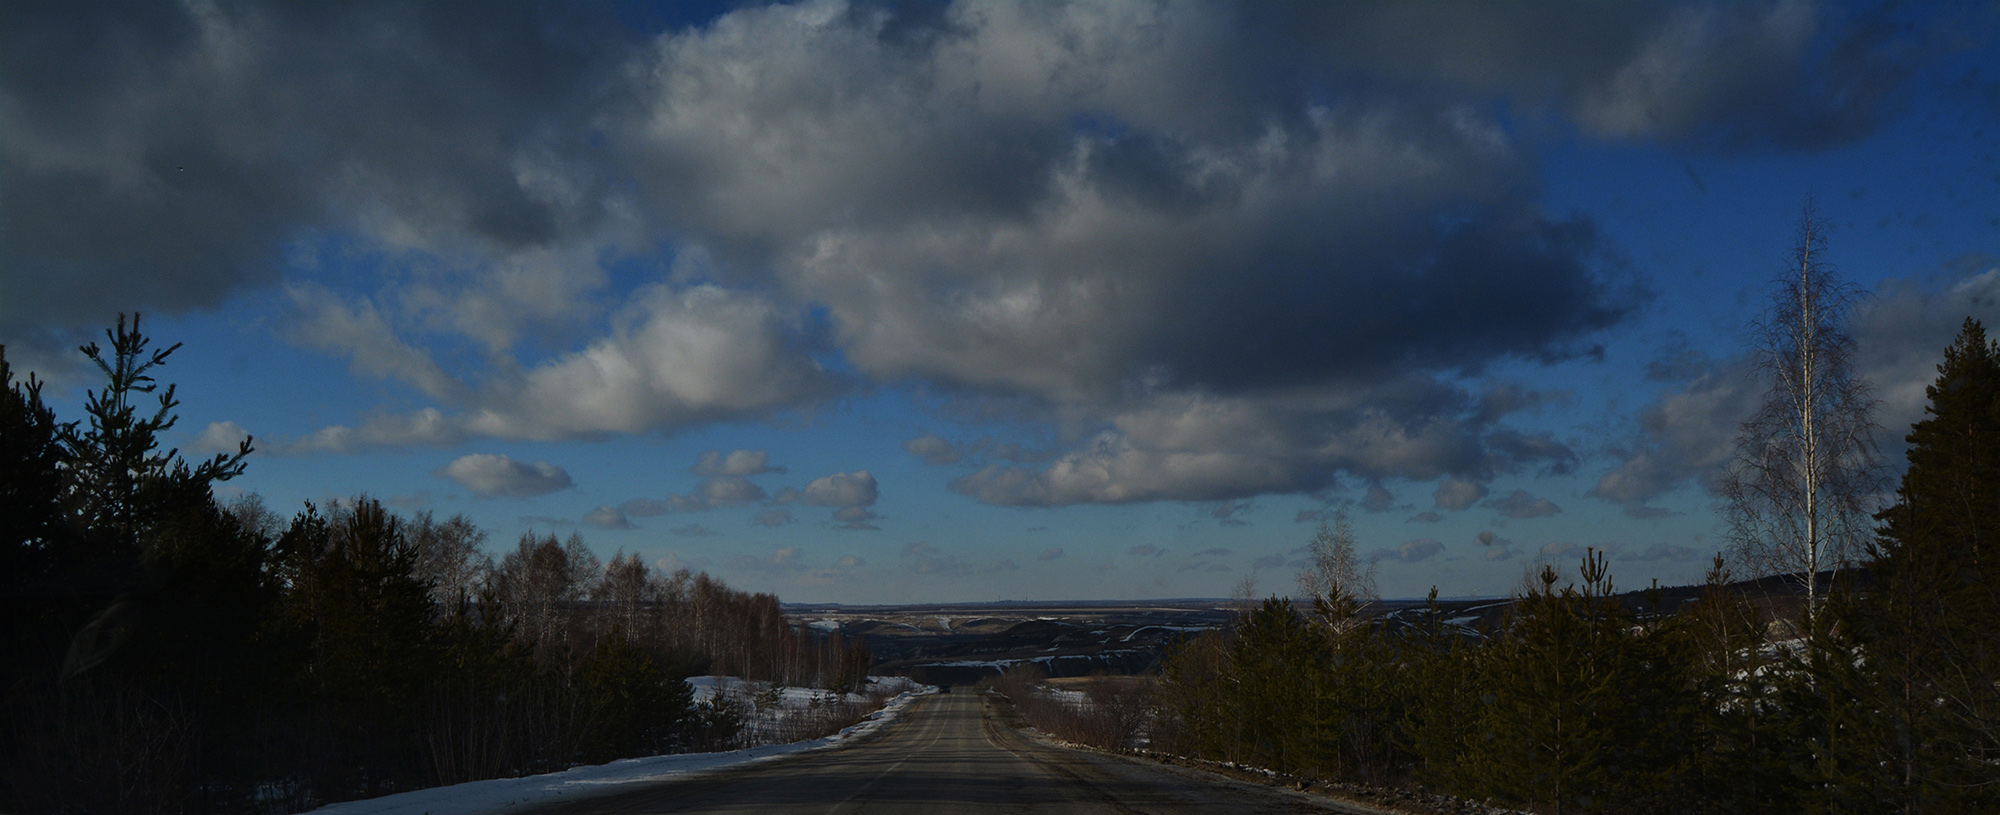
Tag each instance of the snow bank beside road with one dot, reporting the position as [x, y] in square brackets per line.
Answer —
[500, 795]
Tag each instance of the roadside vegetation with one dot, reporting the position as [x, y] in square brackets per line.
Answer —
[1878, 692]
[1873, 686]
[169, 652]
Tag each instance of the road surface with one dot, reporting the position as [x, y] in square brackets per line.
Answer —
[951, 754]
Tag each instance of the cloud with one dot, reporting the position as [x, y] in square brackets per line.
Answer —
[1214, 552]
[644, 507]
[1288, 560]
[1146, 550]
[1425, 517]
[675, 358]
[1497, 548]
[1665, 551]
[1414, 551]
[1243, 249]
[218, 437]
[164, 178]
[673, 562]
[1458, 493]
[1520, 504]
[428, 426]
[692, 531]
[855, 518]
[714, 492]
[1378, 499]
[849, 562]
[1194, 447]
[781, 560]
[322, 320]
[738, 463]
[772, 517]
[923, 558]
[1687, 434]
[1225, 512]
[1560, 551]
[490, 475]
[1731, 76]
[607, 518]
[415, 500]
[932, 449]
[855, 489]
[1050, 554]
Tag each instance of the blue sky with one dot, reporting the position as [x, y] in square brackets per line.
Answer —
[917, 302]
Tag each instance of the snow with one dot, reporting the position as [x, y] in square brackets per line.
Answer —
[501, 795]
[824, 625]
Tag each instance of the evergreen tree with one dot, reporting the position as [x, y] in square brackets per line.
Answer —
[31, 528]
[118, 480]
[1548, 732]
[1276, 659]
[1935, 605]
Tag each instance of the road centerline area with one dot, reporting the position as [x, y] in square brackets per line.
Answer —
[951, 753]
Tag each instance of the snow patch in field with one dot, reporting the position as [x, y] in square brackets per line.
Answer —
[501, 795]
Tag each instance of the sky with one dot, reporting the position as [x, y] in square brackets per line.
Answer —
[871, 302]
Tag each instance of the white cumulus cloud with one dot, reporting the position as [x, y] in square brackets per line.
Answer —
[491, 475]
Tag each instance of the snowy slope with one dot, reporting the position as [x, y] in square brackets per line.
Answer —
[501, 795]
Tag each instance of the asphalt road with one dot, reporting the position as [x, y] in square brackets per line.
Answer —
[952, 753]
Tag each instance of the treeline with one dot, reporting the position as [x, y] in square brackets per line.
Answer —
[164, 652]
[1883, 699]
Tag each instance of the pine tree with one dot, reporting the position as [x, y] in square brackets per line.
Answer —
[31, 528]
[1557, 692]
[118, 480]
[1936, 598]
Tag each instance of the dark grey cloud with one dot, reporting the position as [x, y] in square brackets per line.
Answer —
[1457, 493]
[1783, 75]
[1051, 554]
[1665, 551]
[1561, 551]
[1497, 548]
[1378, 499]
[155, 153]
[1415, 551]
[1245, 249]
[1225, 512]
[1521, 504]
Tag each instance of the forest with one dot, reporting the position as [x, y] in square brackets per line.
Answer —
[1870, 687]
[171, 652]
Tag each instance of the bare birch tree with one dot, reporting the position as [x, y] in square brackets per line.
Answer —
[1806, 472]
[1334, 576]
